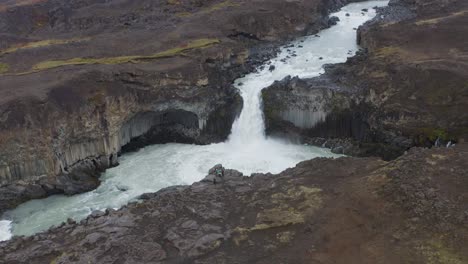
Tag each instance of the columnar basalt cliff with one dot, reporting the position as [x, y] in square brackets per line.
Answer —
[82, 81]
[348, 210]
[407, 87]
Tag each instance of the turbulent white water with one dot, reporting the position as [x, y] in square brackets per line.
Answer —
[247, 150]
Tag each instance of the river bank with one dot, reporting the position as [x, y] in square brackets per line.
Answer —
[406, 88]
[247, 148]
[348, 210]
[70, 103]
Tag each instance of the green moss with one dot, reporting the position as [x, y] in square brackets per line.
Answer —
[4, 68]
[285, 237]
[437, 20]
[210, 9]
[199, 43]
[220, 6]
[290, 208]
[54, 260]
[393, 53]
[433, 133]
[42, 43]
[184, 14]
[435, 252]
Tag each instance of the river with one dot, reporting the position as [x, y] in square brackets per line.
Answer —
[247, 148]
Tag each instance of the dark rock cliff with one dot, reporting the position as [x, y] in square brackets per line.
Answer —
[81, 81]
[347, 210]
[408, 87]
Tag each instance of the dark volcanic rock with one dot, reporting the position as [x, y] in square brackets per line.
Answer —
[333, 21]
[347, 210]
[82, 81]
[406, 87]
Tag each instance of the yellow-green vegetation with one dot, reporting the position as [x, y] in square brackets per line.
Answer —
[393, 53]
[285, 237]
[4, 67]
[42, 43]
[434, 133]
[388, 51]
[211, 9]
[219, 6]
[54, 260]
[377, 74]
[199, 43]
[97, 98]
[184, 14]
[435, 252]
[436, 20]
[289, 208]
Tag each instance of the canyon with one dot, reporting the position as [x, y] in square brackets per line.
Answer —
[399, 106]
[70, 104]
[406, 88]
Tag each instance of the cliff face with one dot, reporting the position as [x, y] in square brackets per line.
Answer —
[81, 81]
[408, 87]
[347, 210]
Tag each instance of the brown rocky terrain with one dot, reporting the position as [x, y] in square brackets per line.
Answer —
[409, 87]
[82, 81]
[348, 210]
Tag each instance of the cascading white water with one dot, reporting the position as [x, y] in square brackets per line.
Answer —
[247, 149]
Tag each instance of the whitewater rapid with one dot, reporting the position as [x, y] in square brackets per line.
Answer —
[247, 149]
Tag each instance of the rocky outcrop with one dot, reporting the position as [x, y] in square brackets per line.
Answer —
[83, 81]
[396, 93]
[346, 210]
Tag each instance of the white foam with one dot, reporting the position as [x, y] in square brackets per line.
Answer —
[247, 150]
[5, 230]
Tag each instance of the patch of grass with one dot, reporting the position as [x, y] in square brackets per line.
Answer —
[219, 6]
[436, 252]
[183, 14]
[378, 74]
[432, 133]
[42, 43]
[4, 67]
[387, 51]
[199, 43]
[210, 9]
[437, 20]
[290, 208]
[4, 7]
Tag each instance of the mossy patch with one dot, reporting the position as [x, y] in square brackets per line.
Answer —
[433, 134]
[289, 208]
[42, 43]
[378, 74]
[4, 67]
[210, 9]
[184, 14]
[435, 252]
[199, 43]
[437, 20]
[285, 237]
[61, 256]
[219, 6]
[389, 52]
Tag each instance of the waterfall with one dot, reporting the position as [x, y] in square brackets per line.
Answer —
[247, 149]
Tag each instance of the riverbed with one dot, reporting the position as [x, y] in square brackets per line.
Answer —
[247, 149]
